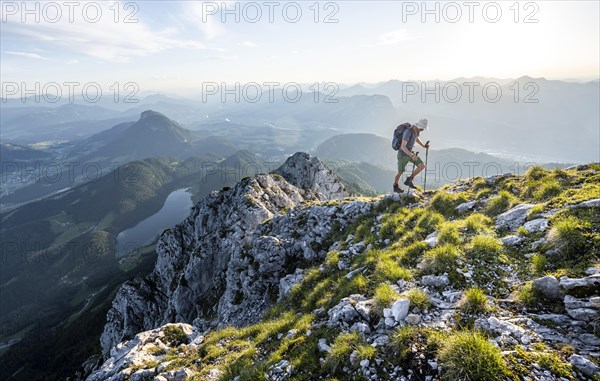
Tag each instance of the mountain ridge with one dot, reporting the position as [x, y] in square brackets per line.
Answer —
[348, 284]
[236, 212]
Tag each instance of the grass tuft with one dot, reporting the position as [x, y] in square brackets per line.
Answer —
[446, 203]
[538, 263]
[474, 301]
[418, 298]
[440, 259]
[333, 258]
[500, 203]
[385, 295]
[469, 356]
[389, 270]
[448, 233]
[485, 247]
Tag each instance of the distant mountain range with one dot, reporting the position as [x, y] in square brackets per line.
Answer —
[152, 135]
[548, 119]
[33, 124]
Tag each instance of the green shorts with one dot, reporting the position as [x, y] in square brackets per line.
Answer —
[404, 160]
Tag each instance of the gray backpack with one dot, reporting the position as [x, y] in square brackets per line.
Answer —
[398, 132]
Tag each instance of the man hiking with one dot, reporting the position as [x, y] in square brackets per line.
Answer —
[405, 154]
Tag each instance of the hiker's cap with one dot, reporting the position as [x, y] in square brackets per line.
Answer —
[422, 124]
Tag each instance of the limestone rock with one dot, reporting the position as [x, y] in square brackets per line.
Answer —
[584, 365]
[142, 349]
[432, 239]
[513, 218]
[413, 319]
[512, 240]
[308, 172]
[287, 282]
[537, 225]
[587, 285]
[400, 309]
[465, 207]
[547, 286]
[435, 280]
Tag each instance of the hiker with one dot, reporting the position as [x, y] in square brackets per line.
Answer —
[408, 137]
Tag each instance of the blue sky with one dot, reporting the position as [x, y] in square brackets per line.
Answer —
[176, 46]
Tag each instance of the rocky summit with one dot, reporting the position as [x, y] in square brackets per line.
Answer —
[287, 277]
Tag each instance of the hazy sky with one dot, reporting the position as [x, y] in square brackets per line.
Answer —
[174, 46]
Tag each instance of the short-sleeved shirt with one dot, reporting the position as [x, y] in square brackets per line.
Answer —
[411, 137]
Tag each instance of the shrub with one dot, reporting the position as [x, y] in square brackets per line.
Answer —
[384, 295]
[474, 301]
[418, 298]
[469, 356]
[174, 336]
[500, 203]
[440, 259]
[538, 263]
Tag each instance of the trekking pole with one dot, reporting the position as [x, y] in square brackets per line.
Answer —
[426, 157]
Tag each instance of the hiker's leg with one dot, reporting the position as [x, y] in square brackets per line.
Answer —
[397, 178]
[418, 170]
[420, 166]
[402, 163]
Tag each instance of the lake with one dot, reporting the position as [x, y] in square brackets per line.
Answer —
[175, 209]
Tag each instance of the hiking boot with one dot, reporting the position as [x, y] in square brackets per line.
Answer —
[409, 183]
[397, 189]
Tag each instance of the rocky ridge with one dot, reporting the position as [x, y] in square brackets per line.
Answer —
[375, 323]
[218, 267]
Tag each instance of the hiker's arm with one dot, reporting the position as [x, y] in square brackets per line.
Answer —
[421, 143]
[406, 150]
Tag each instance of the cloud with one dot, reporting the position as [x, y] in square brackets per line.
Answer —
[223, 57]
[249, 44]
[393, 37]
[105, 40]
[193, 13]
[25, 54]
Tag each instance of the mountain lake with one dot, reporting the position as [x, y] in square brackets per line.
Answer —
[175, 209]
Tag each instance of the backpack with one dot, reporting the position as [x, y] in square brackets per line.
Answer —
[398, 132]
